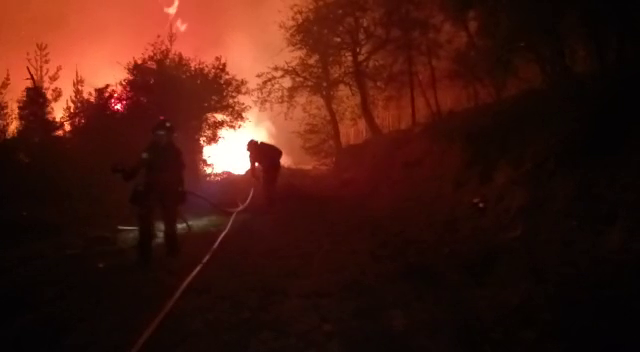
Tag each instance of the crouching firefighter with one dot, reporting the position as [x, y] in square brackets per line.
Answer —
[268, 157]
[162, 188]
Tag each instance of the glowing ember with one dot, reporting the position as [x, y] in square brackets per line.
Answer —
[181, 25]
[171, 11]
[116, 104]
[230, 153]
[173, 8]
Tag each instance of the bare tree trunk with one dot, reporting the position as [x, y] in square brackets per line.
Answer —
[411, 84]
[434, 83]
[423, 92]
[363, 92]
[328, 99]
[473, 73]
[333, 121]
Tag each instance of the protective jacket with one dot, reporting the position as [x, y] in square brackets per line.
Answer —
[265, 154]
[163, 180]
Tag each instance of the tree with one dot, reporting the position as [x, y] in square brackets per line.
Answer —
[44, 77]
[495, 44]
[5, 113]
[40, 156]
[532, 32]
[98, 125]
[200, 97]
[77, 102]
[357, 38]
[316, 136]
[608, 32]
[101, 138]
[313, 71]
[415, 32]
[404, 22]
[34, 116]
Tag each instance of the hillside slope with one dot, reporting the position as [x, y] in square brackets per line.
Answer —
[508, 228]
[511, 227]
[529, 205]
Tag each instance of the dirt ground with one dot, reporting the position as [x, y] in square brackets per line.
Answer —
[320, 271]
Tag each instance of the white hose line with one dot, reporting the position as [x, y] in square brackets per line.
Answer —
[151, 328]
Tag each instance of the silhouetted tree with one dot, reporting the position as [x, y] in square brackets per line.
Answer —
[609, 31]
[492, 46]
[548, 34]
[101, 137]
[39, 189]
[43, 75]
[314, 70]
[77, 102]
[200, 97]
[465, 59]
[98, 118]
[415, 36]
[5, 113]
[357, 38]
[36, 124]
[405, 22]
[316, 136]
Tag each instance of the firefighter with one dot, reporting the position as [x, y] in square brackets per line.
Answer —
[161, 188]
[268, 157]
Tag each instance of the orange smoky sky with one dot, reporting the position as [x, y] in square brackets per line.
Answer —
[99, 37]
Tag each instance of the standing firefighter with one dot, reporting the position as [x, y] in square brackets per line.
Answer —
[162, 188]
[268, 157]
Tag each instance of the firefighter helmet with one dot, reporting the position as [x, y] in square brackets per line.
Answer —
[164, 126]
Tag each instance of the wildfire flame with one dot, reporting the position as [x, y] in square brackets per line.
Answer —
[181, 25]
[173, 8]
[230, 153]
[171, 11]
[116, 104]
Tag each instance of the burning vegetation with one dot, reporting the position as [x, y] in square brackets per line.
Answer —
[483, 180]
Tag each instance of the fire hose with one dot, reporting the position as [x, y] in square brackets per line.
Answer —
[181, 215]
[167, 307]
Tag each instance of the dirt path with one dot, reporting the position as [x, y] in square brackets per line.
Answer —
[316, 273]
[261, 290]
[297, 278]
[259, 281]
[88, 301]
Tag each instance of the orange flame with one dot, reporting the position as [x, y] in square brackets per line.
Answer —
[173, 8]
[171, 11]
[230, 153]
[182, 26]
[116, 104]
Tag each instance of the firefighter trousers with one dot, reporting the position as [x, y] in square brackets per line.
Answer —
[169, 215]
